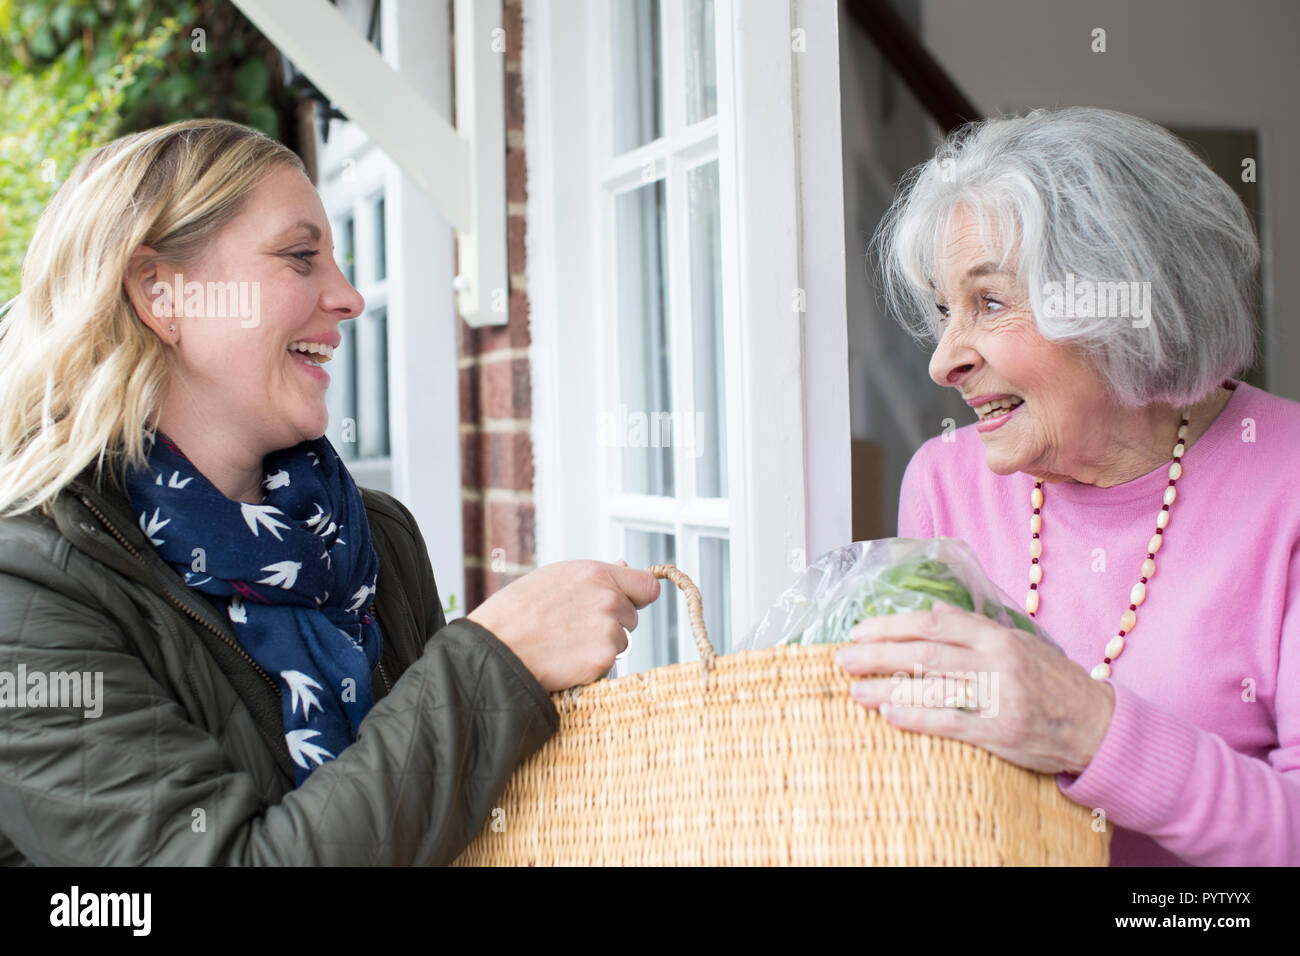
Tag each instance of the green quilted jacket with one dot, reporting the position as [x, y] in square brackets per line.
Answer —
[187, 763]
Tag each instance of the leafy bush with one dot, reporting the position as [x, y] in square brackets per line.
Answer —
[75, 74]
[51, 119]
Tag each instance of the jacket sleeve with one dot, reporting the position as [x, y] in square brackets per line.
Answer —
[434, 618]
[141, 783]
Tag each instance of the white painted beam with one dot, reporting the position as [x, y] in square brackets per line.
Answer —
[482, 287]
[402, 122]
[463, 172]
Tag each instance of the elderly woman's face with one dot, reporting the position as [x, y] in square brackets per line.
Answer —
[238, 362]
[991, 347]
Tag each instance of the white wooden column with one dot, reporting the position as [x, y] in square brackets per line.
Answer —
[782, 210]
[829, 478]
[424, 399]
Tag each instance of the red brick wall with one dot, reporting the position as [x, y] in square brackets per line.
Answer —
[496, 388]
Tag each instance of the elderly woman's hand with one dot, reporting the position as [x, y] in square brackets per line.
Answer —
[1042, 711]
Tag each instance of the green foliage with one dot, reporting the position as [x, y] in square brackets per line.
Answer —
[51, 119]
[75, 74]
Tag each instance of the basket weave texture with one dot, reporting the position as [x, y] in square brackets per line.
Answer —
[762, 758]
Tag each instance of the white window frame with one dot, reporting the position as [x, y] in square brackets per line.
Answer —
[677, 151]
[778, 140]
[364, 181]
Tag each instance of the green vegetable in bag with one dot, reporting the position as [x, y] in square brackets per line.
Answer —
[906, 586]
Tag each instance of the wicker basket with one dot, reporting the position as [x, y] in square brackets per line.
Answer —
[761, 758]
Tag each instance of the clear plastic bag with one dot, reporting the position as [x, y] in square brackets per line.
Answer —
[875, 578]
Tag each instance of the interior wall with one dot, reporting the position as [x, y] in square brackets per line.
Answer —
[895, 406]
[1194, 64]
[1180, 63]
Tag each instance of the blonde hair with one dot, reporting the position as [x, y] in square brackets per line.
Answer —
[81, 376]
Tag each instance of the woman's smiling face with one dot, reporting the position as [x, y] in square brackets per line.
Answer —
[991, 346]
[234, 367]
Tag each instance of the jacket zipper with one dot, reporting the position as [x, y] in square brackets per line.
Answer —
[388, 688]
[126, 544]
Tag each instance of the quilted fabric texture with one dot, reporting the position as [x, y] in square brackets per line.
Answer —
[187, 764]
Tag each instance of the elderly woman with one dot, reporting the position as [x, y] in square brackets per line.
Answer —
[1111, 440]
[215, 647]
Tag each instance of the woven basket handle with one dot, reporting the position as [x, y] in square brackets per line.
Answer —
[694, 608]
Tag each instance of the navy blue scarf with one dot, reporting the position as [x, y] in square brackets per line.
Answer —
[296, 575]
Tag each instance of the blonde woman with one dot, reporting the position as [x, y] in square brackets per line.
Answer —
[214, 647]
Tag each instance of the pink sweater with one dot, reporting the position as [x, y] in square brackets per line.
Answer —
[1201, 761]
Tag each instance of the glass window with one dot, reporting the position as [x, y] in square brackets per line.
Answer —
[701, 62]
[376, 27]
[667, 501]
[715, 590]
[654, 642]
[346, 382]
[381, 242]
[709, 428]
[372, 424]
[347, 244]
[644, 421]
[637, 60]
[359, 376]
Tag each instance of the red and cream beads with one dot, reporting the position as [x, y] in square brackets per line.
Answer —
[1127, 620]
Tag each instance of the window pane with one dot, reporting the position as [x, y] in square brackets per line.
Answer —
[638, 106]
[375, 29]
[372, 421]
[654, 642]
[709, 427]
[346, 382]
[381, 242]
[701, 65]
[715, 590]
[347, 250]
[644, 429]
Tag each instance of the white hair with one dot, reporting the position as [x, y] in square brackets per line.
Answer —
[1105, 197]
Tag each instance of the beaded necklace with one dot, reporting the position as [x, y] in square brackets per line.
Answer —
[1127, 620]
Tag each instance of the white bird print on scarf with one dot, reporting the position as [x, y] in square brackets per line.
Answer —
[276, 588]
